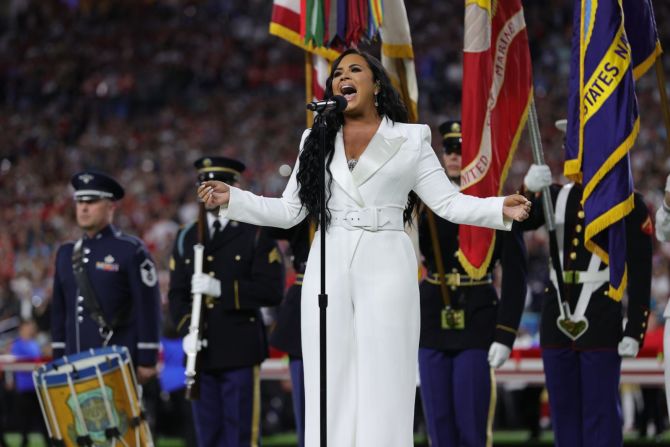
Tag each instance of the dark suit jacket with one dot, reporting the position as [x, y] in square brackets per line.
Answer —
[605, 315]
[487, 318]
[250, 269]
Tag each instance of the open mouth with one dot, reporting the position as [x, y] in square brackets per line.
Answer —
[348, 91]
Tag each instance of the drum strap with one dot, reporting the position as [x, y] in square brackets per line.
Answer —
[90, 298]
[84, 441]
[137, 420]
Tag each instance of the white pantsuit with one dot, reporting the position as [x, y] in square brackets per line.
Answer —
[371, 281]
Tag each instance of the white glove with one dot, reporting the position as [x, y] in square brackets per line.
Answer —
[628, 347]
[498, 354]
[537, 177]
[662, 225]
[206, 285]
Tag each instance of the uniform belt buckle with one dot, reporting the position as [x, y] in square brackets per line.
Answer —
[571, 276]
[454, 279]
[374, 226]
[452, 319]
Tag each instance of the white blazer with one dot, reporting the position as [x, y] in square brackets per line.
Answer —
[398, 159]
[373, 311]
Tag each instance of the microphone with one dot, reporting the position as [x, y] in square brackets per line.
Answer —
[335, 104]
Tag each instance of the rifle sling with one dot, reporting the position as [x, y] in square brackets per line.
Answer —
[91, 301]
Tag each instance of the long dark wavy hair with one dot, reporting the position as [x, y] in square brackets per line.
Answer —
[389, 105]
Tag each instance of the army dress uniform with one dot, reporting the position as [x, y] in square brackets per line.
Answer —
[249, 267]
[455, 373]
[582, 375]
[286, 333]
[123, 279]
[456, 378]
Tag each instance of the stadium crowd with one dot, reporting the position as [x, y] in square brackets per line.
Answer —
[141, 89]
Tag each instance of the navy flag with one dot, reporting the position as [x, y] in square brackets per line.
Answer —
[602, 126]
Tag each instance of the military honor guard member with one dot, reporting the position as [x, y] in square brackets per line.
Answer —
[663, 235]
[105, 288]
[243, 271]
[461, 342]
[286, 333]
[583, 344]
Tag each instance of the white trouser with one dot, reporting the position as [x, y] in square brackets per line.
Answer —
[372, 339]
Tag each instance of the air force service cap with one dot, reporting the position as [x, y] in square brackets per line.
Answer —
[90, 186]
[451, 136]
[219, 168]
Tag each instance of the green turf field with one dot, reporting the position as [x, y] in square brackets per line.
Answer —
[500, 438]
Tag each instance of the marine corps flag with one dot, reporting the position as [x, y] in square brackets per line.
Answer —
[497, 90]
[602, 126]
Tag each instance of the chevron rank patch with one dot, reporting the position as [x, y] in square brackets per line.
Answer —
[274, 256]
[148, 273]
[647, 227]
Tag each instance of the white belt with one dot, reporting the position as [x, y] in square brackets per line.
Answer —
[370, 219]
[579, 277]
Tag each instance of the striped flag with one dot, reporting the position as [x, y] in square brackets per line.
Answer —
[603, 123]
[324, 27]
[497, 90]
[287, 23]
[398, 55]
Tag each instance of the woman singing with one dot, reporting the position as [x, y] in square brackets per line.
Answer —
[374, 161]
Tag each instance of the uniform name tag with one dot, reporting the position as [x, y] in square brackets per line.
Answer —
[453, 318]
[107, 265]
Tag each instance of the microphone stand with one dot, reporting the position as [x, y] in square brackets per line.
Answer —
[323, 109]
[320, 123]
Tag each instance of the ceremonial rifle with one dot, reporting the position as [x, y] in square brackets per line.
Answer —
[193, 342]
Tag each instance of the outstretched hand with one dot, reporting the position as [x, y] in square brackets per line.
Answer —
[516, 207]
[214, 193]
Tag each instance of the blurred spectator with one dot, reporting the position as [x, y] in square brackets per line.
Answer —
[143, 88]
[174, 416]
[651, 416]
[26, 348]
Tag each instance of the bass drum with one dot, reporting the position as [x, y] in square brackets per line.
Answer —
[92, 398]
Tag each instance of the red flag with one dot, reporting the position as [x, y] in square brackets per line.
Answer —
[286, 23]
[497, 89]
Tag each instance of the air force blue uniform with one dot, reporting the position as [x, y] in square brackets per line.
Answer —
[123, 278]
[582, 375]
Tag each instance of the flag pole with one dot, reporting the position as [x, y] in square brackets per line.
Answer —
[547, 205]
[309, 82]
[319, 122]
[660, 78]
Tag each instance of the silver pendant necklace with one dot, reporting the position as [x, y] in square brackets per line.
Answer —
[352, 164]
